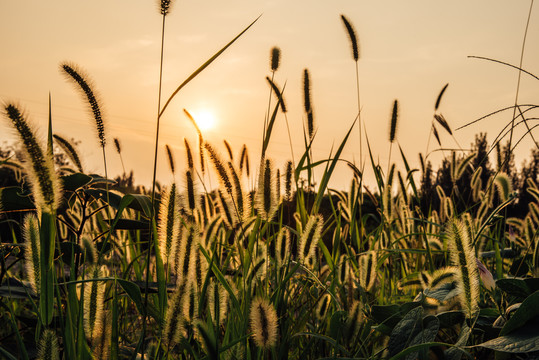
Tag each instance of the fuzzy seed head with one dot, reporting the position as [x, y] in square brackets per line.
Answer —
[263, 323]
[94, 292]
[39, 168]
[224, 179]
[164, 6]
[174, 328]
[189, 154]
[393, 124]
[275, 58]
[463, 256]
[48, 348]
[170, 158]
[70, 151]
[169, 222]
[117, 145]
[323, 306]
[218, 299]
[32, 251]
[353, 38]
[77, 75]
[266, 195]
[310, 237]
[90, 252]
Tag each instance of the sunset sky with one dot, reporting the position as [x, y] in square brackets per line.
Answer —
[408, 51]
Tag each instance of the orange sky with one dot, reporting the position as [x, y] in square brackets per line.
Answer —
[409, 51]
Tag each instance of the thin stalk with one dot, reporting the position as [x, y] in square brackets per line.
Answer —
[520, 72]
[152, 213]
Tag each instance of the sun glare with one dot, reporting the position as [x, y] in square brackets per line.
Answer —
[205, 119]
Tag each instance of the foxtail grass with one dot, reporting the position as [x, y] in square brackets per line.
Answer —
[94, 292]
[78, 76]
[70, 151]
[89, 251]
[310, 237]
[354, 43]
[393, 129]
[39, 169]
[463, 257]
[32, 251]
[48, 348]
[101, 342]
[307, 103]
[170, 158]
[169, 222]
[266, 196]
[275, 60]
[118, 147]
[229, 150]
[224, 178]
[244, 160]
[263, 319]
[174, 328]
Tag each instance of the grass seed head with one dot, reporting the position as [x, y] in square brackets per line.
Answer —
[48, 348]
[77, 75]
[39, 167]
[263, 323]
[310, 237]
[353, 38]
[170, 158]
[94, 292]
[32, 252]
[275, 58]
[393, 124]
[165, 6]
[70, 151]
[463, 256]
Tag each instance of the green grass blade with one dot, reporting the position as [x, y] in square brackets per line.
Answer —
[329, 171]
[47, 237]
[204, 66]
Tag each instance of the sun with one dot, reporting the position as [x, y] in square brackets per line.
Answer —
[205, 119]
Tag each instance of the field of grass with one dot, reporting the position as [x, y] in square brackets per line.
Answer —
[429, 264]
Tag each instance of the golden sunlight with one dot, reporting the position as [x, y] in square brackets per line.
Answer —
[205, 119]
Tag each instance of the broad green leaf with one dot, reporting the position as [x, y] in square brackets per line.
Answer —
[528, 310]
[522, 340]
[455, 353]
[450, 318]
[405, 331]
[133, 291]
[129, 224]
[430, 328]
[514, 287]
[12, 198]
[75, 181]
